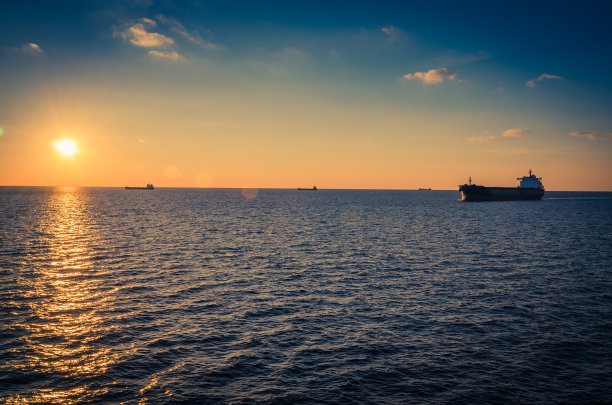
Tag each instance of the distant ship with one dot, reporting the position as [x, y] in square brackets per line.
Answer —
[424, 189]
[530, 188]
[314, 188]
[148, 187]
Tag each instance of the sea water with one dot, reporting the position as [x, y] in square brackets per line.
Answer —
[282, 296]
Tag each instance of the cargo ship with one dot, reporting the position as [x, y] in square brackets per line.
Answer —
[314, 188]
[148, 187]
[529, 188]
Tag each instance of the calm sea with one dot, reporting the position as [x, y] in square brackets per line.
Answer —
[284, 296]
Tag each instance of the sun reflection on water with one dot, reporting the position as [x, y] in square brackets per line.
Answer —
[66, 298]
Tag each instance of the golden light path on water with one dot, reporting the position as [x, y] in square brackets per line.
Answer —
[66, 300]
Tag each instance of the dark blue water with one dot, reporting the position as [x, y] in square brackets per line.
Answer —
[280, 296]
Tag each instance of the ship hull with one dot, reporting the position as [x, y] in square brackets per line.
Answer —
[482, 193]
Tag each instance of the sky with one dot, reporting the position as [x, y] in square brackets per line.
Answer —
[280, 94]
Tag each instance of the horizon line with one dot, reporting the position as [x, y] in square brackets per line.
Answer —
[282, 188]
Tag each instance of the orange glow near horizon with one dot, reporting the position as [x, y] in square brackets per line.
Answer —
[259, 141]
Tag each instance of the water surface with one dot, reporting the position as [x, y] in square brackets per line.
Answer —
[280, 296]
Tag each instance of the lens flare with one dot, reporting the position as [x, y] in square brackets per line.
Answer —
[66, 147]
[249, 193]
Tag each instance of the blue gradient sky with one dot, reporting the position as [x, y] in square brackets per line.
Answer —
[280, 94]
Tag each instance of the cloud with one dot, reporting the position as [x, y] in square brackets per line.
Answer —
[193, 37]
[138, 35]
[394, 34]
[172, 55]
[516, 132]
[32, 49]
[150, 22]
[482, 138]
[592, 135]
[433, 76]
[158, 37]
[534, 82]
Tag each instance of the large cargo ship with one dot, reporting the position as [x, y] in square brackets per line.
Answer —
[529, 188]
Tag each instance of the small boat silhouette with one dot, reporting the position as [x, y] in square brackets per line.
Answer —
[148, 187]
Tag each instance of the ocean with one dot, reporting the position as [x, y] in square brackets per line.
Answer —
[283, 296]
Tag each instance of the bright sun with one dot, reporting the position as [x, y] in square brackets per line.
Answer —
[66, 147]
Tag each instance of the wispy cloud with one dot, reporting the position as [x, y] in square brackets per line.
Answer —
[193, 36]
[149, 22]
[143, 34]
[592, 135]
[486, 138]
[139, 35]
[433, 76]
[160, 37]
[534, 82]
[32, 49]
[172, 55]
[516, 132]
[393, 34]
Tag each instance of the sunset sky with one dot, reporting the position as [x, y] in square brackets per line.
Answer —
[286, 94]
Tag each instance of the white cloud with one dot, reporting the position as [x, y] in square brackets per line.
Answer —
[592, 135]
[172, 55]
[433, 76]
[534, 82]
[516, 132]
[32, 49]
[138, 35]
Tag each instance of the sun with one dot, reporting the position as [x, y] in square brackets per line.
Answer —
[66, 147]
